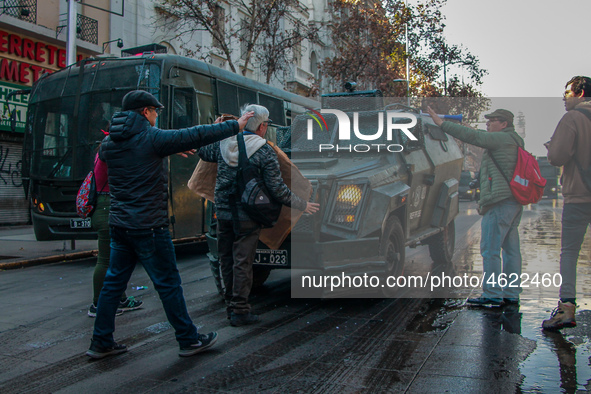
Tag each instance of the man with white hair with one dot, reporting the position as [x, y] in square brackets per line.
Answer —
[238, 234]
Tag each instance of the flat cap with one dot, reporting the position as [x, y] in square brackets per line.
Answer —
[501, 114]
[140, 99]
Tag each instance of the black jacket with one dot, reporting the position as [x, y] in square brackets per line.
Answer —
[134, 152]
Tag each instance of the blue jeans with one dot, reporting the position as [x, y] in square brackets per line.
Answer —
[575, 219]
[154, 249]
[500, 231]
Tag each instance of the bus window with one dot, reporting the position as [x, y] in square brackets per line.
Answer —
[183, 111]
[52, 149]
[246, 96]
[227, 98]
[275, 107]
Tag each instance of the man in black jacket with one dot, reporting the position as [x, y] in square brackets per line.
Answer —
[134, 152]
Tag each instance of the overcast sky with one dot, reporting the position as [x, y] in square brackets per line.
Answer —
[530, 49]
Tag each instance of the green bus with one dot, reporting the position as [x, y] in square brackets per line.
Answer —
[69, 113]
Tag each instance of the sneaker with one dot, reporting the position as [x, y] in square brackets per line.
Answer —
[96, 351]
[92, 311]
[511, 301]
[130, 304]
[204, 342]
[244, 319]
[488, 302]
[562, 316]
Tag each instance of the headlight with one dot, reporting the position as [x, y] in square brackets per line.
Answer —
[469, 192]
[349, 194]
[347, 205]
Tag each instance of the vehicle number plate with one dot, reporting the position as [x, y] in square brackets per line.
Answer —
[271, 257]
[80, 223]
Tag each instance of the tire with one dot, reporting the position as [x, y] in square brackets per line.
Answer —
[392, 247]
[442, 245]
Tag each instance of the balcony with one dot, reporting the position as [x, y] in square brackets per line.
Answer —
[25, 10]
[300, 81]
[87, 29]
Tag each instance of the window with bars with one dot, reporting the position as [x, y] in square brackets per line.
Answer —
[87, 29]
[25, 10]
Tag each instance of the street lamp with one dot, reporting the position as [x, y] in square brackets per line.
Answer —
[407, 89]
[119, 44]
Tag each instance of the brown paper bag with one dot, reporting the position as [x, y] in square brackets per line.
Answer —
[203, 179]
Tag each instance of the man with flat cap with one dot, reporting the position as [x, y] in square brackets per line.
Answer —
[501, 212]
[134, 151]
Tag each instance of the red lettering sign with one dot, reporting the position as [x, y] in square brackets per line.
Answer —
[61, 58]
[28, 49]
[23, 73]
[14, 45]
[3, 41]
[39, 52]
[52, 51]
[9, 70]
[36, 72]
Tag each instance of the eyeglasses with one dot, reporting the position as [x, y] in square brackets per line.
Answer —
[496, 120]
[268, 121]
[157, 110]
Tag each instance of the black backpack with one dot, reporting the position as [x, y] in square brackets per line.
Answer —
[253, 195]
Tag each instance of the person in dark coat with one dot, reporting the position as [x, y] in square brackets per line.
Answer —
[138, 218]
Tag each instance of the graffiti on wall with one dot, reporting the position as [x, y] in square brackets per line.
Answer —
[10, 168]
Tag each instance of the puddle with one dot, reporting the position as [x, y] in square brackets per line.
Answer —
[435, 315]
[561, 360]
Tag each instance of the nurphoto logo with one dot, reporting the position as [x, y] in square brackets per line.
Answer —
[344, 130]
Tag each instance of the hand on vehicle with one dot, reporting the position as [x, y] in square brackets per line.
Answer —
[312, 207]
[186, 153]
[438, 121]
[244, 118]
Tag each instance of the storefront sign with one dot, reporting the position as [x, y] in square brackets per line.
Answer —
[18, 102]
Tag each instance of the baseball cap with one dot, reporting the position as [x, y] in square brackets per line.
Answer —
[140, 99]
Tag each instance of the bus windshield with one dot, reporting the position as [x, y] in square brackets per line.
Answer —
[65, 130]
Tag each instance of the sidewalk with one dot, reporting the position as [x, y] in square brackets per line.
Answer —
[19, 248]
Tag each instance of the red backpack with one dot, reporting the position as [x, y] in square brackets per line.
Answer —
[86, 198]
[527, 183]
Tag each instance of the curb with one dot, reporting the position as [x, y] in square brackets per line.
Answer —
[47, 260]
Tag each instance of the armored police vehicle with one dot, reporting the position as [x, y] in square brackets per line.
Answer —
[387, 182]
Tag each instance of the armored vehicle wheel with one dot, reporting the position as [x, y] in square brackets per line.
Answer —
[392, 246]
[442, 245]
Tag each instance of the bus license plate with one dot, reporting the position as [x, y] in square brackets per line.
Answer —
[271, 257]
[80, 223]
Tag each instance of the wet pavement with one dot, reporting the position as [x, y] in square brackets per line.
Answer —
[304, 345]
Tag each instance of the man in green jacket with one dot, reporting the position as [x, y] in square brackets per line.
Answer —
[501, 213]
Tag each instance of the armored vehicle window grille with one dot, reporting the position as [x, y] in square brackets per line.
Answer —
[320, 135]
[284, 138]
[358, 101]
[348, 201]
[306, 222]
[417, 131]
